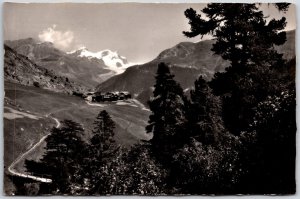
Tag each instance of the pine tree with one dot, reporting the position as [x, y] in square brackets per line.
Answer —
[62, 159]
[168, 106]
[247, 40]
[103, 135]
[258, 98]
[241, 31]
[205, 120]
[101, 152]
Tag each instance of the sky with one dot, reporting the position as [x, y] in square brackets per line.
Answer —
[137, 31]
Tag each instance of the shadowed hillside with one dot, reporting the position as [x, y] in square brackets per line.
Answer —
[20, 69]
[85, 71]
[187, 61]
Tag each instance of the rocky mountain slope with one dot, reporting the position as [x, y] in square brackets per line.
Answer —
[20, 69]
[187, 61]
[80, 66]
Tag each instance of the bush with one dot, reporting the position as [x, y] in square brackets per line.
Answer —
[134, 172]
[206, 169]
[36, 84]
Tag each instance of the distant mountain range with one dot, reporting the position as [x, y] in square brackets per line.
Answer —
[81, 66]
[187, 61]
[104, 70]
[20, 69]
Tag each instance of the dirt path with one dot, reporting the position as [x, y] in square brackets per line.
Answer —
[12, 169]
[22, 156]
[95, 104]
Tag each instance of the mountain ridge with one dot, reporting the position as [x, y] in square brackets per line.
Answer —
[187, 61]
[20, 69]
[82, 70]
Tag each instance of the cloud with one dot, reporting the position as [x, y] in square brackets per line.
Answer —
[60, 39]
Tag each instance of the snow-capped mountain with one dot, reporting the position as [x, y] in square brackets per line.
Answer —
[112, 60]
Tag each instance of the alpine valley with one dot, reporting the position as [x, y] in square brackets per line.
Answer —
[41, 80]
[28, 61]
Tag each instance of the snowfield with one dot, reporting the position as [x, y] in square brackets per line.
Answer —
[111, 59]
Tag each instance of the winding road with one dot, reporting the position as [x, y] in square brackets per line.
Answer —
[13, 171]
[22, 156]
[93, 104]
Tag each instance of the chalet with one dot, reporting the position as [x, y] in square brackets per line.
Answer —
[108, 96]
[89, 96]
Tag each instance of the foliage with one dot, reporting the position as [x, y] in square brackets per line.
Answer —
[235, 135]
[146, 175]
[274, 127]
[102, 141]
[24, 187]
[205, 121]
[257, 91]
[105, 178]
[130, 172]
[247, 40]
[62, 159]
[36, 84]
[242, 34]
[207, 169]
[101, 151]
[169, 108]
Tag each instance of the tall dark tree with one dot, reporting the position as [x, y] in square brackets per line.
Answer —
[257, 92]
[168, 106]
[103, 135]
[62, 160]
[205, 121]
[101, 152]
[241, 31]
[247, 40]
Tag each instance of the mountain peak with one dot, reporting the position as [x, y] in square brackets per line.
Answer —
[19, 42]
[46, 43]
[111, 59]
[77, 51]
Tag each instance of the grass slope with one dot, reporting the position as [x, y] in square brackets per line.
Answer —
[130, 121]
[21, 133]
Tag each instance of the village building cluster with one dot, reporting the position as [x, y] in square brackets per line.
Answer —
[108, 96]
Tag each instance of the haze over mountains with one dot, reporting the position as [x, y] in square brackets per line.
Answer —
[104, 70]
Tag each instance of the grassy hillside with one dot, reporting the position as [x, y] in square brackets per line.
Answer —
[35, 103]
[130, 120]
[22, 129]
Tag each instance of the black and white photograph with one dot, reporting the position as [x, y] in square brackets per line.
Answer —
[149, 99]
